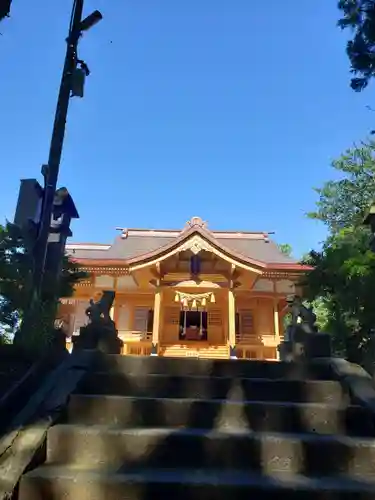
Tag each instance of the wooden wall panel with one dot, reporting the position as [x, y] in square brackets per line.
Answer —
[170, 324]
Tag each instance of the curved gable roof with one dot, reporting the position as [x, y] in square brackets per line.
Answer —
[135, 249]
[219, 245]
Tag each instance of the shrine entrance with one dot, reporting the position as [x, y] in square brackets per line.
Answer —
[193, 325]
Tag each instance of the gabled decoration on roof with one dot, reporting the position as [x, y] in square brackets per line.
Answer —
[196, 222]
[196, 244]
[124, 232]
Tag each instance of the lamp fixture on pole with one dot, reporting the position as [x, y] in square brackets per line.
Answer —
[50, 171]
[4, 8]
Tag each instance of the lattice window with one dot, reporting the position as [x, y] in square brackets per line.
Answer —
[172, 316]
[244, 326]
[215, 317]
[141, 315]
[150, 320]
[245, 323]
[122, 322]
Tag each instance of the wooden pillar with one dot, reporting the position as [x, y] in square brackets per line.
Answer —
[156, 325]
[232, 324]
[276, 321]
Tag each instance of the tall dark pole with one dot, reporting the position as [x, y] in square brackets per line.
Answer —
[51, 170]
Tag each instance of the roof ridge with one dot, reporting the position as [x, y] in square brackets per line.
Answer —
[231, 231]
[88, 244]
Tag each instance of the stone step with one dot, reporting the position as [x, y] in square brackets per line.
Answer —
[207, 414]
[265, 453]
[60, 483]
[162, 386]
[222, 368]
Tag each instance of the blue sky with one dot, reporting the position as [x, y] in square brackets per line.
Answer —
[231, 110]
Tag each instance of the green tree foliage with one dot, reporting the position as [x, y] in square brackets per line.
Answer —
[285, 248]
[316, 303]
[342, 203]
[15, 278]
[342, 283]
[15, 274]
[359, 16]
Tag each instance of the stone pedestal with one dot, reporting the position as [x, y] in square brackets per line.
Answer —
[285, 349]
[307, 346]
[318, 345]
[59, 340]
[291, 351]
[101, 335]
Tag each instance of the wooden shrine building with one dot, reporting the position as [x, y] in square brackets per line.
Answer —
[195, 292]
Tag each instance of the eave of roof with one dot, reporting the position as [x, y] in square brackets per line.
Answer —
[185, 235]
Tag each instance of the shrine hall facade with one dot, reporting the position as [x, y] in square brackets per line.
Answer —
[192, 292]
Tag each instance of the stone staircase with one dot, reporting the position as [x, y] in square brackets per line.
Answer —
[142, 428]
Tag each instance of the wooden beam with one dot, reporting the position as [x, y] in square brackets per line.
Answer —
[157, 273]
[231, 319]
[156, 325]
[276, 320]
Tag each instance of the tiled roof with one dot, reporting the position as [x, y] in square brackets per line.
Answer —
[134, 245]
[264, 250]
[258, 248]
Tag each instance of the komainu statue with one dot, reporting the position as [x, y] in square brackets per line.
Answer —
[303, 318]
[302, 339]
[99, 312]
[100, 332]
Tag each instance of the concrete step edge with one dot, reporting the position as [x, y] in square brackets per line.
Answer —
[193, 478]
[209, 377]
[215, 401]
[230, 433]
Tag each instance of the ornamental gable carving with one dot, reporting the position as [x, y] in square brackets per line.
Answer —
[196, 244]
